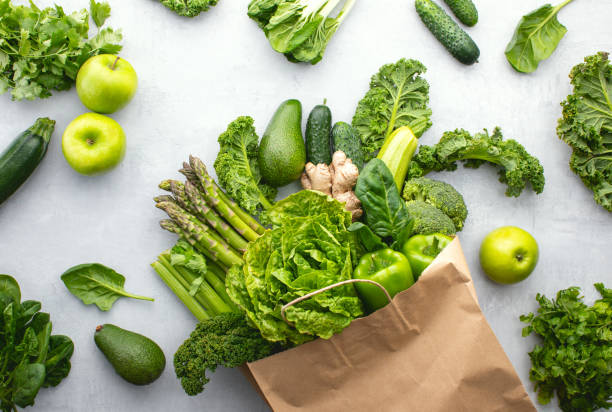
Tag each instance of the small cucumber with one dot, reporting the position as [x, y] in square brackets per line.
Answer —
[344, 138]
[465, 10]
[444, 28]
[318, 130]
[23, 155]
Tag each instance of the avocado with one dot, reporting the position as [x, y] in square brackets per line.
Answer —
[282, 153]
[136, 358]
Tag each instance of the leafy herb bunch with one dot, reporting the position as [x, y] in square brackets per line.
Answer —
[30, 357]
[575, 357]
[42, 49]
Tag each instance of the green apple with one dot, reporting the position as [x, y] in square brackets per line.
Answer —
[508, 254]
[105, 83]
[93, 143]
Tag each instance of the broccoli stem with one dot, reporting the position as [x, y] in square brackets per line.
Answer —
[182, 293]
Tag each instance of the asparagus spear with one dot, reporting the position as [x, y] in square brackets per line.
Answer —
[213, 219]
[204, 236]
[245, 224]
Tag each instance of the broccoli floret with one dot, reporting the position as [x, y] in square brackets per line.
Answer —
[439, 194]
[225, 340]
[428, 219]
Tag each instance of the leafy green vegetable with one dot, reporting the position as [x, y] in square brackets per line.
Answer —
[305, 253]
[300, 29]
[439, 194]
[30, 357]
[189, 8]
[97, 284]
[369, 241]
[516, 166]
[536, 37]
[224, 340]
[238, 169]
[574, 358]
[428, 219]
[398, 96]
[586, 126]
[42, 50]
[385, 211]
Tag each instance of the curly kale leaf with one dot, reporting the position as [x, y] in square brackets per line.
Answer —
[237, 167]
[41, 50]
[398, 96]
[225, 340]
[574, 358]
[586, 126]
[516, 166]
[189, 8]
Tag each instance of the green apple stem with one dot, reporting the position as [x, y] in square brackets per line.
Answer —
[115, 63]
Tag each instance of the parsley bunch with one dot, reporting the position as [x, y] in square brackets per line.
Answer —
[575, 357]
[42, 50]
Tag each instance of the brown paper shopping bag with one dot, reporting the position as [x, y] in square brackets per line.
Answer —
[431, 349]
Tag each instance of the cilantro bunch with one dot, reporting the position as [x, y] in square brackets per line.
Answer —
[42, 50]
[575, 357]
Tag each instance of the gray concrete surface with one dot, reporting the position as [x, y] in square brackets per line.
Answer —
[195, 77]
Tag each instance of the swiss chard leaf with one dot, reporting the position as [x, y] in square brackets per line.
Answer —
[536, 37]
[398, 96]
[237, 167]
[385, 210]
[97, 284]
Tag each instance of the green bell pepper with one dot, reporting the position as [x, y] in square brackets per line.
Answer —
[389, 268]
[421, 250]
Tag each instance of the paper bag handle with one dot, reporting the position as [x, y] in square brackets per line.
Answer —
[326, 288]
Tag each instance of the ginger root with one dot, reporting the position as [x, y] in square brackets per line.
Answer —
[336, 180]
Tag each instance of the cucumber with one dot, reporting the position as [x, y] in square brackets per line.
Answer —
[344, 138]
[318, 130]
[444, 28]
[464, 10]
[23, 155]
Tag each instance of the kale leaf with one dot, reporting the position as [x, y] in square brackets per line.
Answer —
[41, 50]
[574, 358]
[189, 8]
[237, 167]
[586, 126]
[516, 166]
[398, 96]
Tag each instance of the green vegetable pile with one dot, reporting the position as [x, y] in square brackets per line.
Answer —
[398, 96]
[308, 248]
[189, 8]
[517, 167]
[300, 29]
[574, 359]
[586, 126]
[30, 357]
[225, 340]
[41, 50]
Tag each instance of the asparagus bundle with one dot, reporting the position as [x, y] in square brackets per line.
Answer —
[203, 215]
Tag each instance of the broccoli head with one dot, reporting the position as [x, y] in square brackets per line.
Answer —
[516, 166]
[225, 340]
[428, 219]
[439, 194]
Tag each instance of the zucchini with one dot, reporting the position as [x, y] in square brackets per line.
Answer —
[23, 155]
[444, 28]
[464, 10]
[318, 130]
[344, 138]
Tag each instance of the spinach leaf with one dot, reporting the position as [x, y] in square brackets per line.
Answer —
[27, 380]
[368, 240]
[9, 286]
[57, 362]
[536, 37]
[385, 211]
[97, 284]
